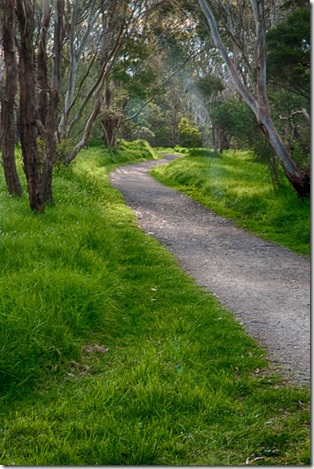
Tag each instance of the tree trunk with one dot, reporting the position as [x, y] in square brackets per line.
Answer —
[8, 103]
[42, 72]
[109, 127]
[28, 128]
[299, 178]
[95, 112]
[38, 112]
[54, 92]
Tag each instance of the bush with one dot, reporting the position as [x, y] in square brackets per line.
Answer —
[190, 137]
[63, 150]
[138, 148]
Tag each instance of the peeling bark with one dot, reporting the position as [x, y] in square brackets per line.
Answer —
[27, 116]
[39, 97]
[8, 102]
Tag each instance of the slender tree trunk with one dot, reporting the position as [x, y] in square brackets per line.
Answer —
[112, 119]
[95, 112]
[28, 128]
[110, 135]
[54, 91]
[45, 114]
[42, 72]
[8, 103]
[75, 55]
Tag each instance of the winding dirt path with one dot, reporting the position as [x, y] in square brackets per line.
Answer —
[266, 286]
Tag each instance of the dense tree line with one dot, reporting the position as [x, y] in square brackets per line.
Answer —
[216, 73]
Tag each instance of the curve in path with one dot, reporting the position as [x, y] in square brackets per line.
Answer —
[266, 286]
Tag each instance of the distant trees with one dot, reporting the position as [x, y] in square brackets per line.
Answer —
[92, 93]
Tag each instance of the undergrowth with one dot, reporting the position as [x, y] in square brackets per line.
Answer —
[112, 355]
[239, 187]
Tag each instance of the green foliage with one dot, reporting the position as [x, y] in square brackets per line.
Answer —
[190, 137]
[63, 150]
[236, 122]
[195, 151]
[292, 125]
[237, 125]
[203, 152]
[210, 86]
[174, 381]
[154, 118]
[289, 52]
[139, 148]
[238, 187]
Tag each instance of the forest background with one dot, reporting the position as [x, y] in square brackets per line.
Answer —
[184, 73]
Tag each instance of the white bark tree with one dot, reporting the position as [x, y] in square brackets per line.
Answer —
[256, 97]
[81, 20]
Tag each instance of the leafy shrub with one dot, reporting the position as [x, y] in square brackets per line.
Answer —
[183, 150]
[138, 148]
[63, 149]
[190, 137]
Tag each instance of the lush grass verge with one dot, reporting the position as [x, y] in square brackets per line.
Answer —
[58, 278]
[133, 362]
[238, 187]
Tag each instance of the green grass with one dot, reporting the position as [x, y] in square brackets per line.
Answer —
[58, 278]
[239, 187]
[170, 378]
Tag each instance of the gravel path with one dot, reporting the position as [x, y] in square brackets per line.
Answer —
[266, 286]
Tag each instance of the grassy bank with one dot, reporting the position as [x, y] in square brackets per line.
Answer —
[58, 278]
[239, 187]
[111, 355]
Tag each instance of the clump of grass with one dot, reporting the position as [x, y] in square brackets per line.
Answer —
[168, 378]
[137, 149]
[239, 187]
[55, 286]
